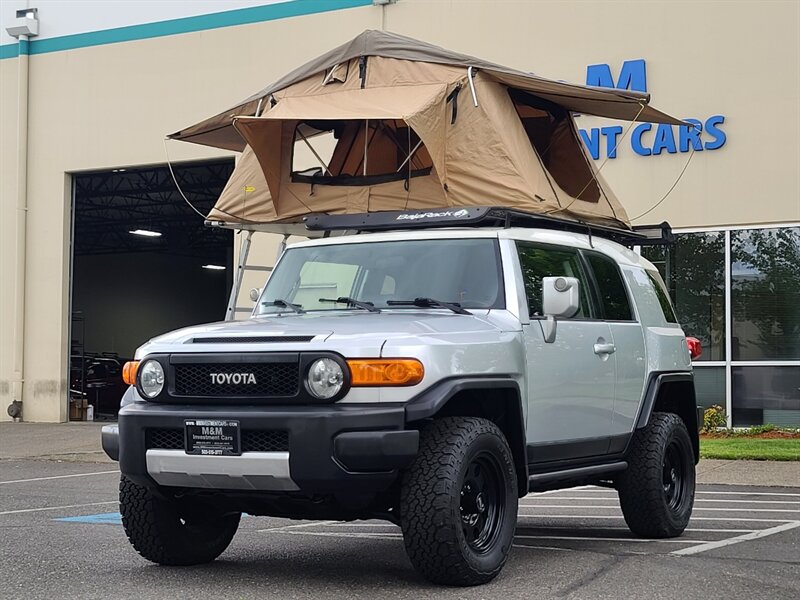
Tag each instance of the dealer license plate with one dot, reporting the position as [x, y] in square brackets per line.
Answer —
[213, 437]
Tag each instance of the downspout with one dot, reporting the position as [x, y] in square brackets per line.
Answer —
[17, 382]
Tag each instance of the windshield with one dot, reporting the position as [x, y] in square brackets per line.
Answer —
[463, 271]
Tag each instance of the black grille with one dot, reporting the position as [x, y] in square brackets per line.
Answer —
[164, 439]
[265, 440]
[264, 339]
[253, 440]
[273, 379]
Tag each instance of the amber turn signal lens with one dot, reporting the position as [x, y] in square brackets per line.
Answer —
[385, 371]
[129, 372]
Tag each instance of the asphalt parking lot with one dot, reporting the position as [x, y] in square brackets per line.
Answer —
[61, 537]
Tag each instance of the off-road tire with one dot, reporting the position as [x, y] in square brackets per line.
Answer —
[431, 501]
[642, 487]
[167, 532]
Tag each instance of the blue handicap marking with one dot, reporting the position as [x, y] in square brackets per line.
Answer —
[113, 518]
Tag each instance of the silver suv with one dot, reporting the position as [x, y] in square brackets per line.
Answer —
[429, 376]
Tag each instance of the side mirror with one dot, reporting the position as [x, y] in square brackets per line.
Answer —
[560, 298]
[255, 294]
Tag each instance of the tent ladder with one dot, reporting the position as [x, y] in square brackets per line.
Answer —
[242, 267]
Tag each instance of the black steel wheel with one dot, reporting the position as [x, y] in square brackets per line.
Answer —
[483, 499]
[458, 502]
[656, 492]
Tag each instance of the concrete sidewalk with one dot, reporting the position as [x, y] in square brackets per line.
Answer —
[80, 442]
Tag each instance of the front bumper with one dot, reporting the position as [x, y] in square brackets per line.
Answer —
[332, 449]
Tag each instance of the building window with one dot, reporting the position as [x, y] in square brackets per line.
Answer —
[694, 271]
[766, 395]
[765, 282]
[709, 386]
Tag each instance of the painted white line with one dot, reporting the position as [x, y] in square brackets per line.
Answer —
[597, 490]
[738, 539]
[58, 477]
[570, 506]
[619, 517]
[296, 526]
[365, 525]
[751, 493]
[30, 510]
[342, 534]
[542, 548]
[724, 500]
[610, 539]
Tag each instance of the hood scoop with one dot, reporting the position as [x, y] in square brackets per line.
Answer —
[261, 339]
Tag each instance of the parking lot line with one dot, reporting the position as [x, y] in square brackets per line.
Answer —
[58, 477]
[616, 506]
[725, 500]
[30, 510]
[620, 517]
[597, 490]
[610, 539]
[738, 539]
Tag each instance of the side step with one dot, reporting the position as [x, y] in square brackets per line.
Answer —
[551, 480]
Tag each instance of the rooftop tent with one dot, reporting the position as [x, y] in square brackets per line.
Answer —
[414, 126]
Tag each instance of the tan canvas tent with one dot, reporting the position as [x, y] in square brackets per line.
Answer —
[414, 126]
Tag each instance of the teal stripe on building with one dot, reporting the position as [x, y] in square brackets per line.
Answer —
[242, 16]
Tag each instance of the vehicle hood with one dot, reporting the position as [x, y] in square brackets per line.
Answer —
[327, 329]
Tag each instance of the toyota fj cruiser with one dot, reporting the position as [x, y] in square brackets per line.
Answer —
[429, 376]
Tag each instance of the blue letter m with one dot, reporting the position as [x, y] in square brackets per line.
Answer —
[633, 76]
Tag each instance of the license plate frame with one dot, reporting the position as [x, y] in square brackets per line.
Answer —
[212, 437]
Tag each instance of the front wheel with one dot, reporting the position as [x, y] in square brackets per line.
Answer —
[458, 502]
[656, 491]
[171, 532]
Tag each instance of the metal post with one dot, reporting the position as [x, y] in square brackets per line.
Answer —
[728, 331]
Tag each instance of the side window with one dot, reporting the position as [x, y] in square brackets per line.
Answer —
[539, 261]
[611, 289]
[663, 298]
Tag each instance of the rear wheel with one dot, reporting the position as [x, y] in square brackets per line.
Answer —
[171, 532]
[459, 502]
[656, 491]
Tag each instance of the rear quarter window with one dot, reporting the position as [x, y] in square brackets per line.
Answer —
[663, 297]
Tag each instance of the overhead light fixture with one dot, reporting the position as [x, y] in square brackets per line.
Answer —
[214, 267]
[118, 170]
[145, 232]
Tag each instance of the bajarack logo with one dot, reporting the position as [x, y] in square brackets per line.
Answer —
[232, 378]
[456, 214]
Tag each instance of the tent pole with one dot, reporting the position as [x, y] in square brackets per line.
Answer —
[366, 143]
[314, 152]
[410, 154]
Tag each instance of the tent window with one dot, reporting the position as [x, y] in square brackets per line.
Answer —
[365, 152]
[552, 134]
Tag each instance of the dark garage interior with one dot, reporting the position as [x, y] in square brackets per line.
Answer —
[143, 263]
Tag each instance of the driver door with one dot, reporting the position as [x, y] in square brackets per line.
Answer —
[571, 380]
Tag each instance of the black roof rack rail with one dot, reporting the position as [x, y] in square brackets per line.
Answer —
[484, 216]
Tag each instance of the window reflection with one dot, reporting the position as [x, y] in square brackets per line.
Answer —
[765, 273]
[766, 395]
[694, 271]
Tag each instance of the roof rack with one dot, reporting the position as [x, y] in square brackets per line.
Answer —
[484, 216]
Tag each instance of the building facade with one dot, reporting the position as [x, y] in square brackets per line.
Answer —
[101, 85]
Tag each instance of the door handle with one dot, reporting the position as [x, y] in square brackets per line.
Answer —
[604, 348]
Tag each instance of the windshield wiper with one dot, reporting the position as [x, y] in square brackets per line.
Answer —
[284, 304]
[352, 302]
[430, 303]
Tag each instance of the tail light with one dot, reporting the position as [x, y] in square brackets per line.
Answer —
[695, 347]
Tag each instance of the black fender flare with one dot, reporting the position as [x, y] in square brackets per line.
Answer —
[692, 412]
[430, 402]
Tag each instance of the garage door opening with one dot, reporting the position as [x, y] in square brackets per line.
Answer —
[143, 263]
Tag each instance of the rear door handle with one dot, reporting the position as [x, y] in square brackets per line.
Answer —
[604, 348]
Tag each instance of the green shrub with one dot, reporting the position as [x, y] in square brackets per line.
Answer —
[758, 429]
[713, 418]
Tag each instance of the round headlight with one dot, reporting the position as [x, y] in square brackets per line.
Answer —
[151, 378]
[325, 378]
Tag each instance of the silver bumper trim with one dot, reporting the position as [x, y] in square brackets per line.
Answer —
[250, 471]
